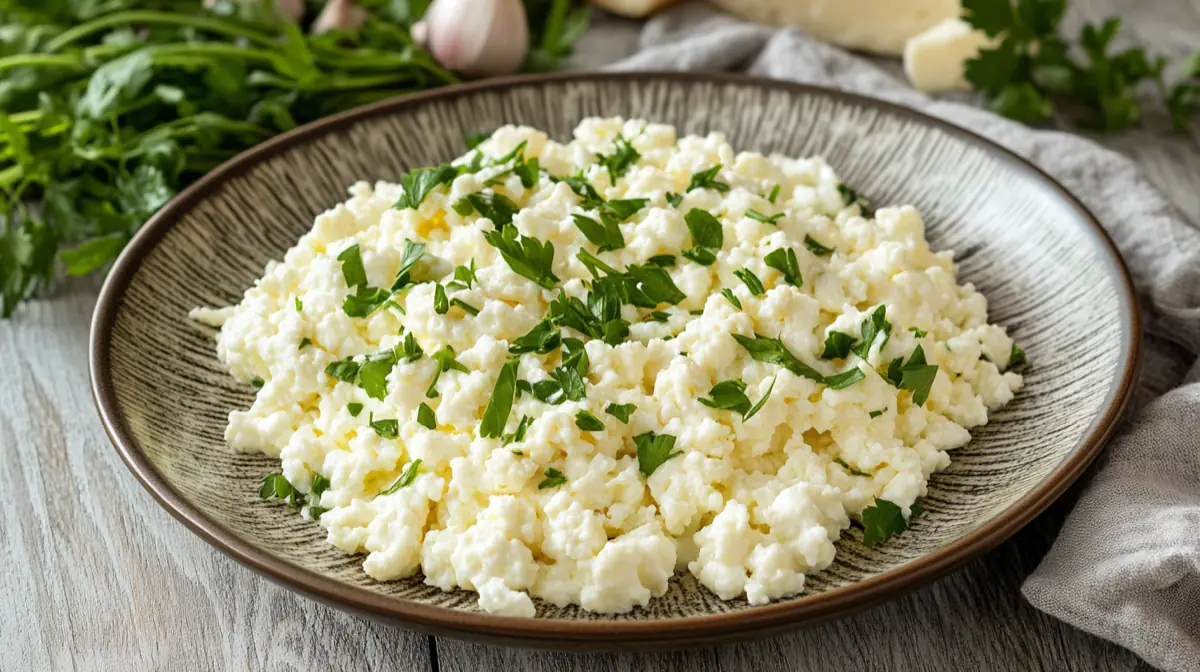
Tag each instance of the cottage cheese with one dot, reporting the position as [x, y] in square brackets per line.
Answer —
[748, 506]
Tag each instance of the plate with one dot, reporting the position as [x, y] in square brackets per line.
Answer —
[1047, 268]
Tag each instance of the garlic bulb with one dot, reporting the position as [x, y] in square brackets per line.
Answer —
[292, 10]
[480, 38]
[339, 15]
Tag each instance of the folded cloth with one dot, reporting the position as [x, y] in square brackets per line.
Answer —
[1126, 566]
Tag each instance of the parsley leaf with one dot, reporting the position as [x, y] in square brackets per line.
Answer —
[652, 450]
[528, 171]
[304, 343]
[917, 376]
[624, 208]
[784, 260]
[853, 471]
[752, 282]
[851, 197]
[774, 194]
[882, 521]
[701, 255]
[919, 333]
[588, 198]
[706, 230]
[817, 248]
[441, 305]
[664, 260]
[674, 199]
[365, 301]
[445, 362]
[517, 434]
[299, 305]
[588, 422]
[496, 207]
[495, 417]
[354, 408]
[876, 414]
[468, 308]
[728, 294]
[388, 429]
[837, 345]
[372, 375]
[276, 485]
[344, 370]
[408, 259]
[759, 217]
[418, 183]
[410, 350]
[621, 412]
[655, 284]
[607, 235]
[844, 379]
[761, 402]
[872, 327]
[728, 395]
[622, 158]
[473, 139]
[554, 478]
[352, 266]
[465, 275]
[426, 416]
[526, 256]
[1017, 357]
[773, 351]
[406, 477]
[707, 179]
[542, 339]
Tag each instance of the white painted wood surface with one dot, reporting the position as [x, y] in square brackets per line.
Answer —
[98, 577]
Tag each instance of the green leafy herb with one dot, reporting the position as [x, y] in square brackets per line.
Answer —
[299, 305]
[496, 207]
[622, 158]
[554, 478]
[257, 383]
[917, 376]
[445, 362]
[388, 429]
[543, 339]
[606, 235]
[752, 282]
[655, 284]
[919, 333]
[844, 379]
[354, 408]
[701, 255]
[876, 414]
[817, 248]
[465, 275]
[588, 198]
[408, 259]
[837, 345]
[728, 294]
[851, 197]
[761, 402]
[759, 217]
[658, 316]
[426, 416]
[652, 450]
[528, 171]
[365, 301]
[372, 375]
[588, 422]
[418, 183]
[773, 351]
[352, 266]
[495, 417]
[277, 486]
[304, 343]
[526, 256]
[473, 139]
[872, 327]
[410, 351]
[517, 434]
[407, 477]
[465, 306]
[463, 206]
[624, 208]
[664, 260]
[853, 472]
[784, 260]
[441, 305]
[621, 412]
[707, 179]
[728, 395]
[344, 370]
[774, 194]
[882, 521]
[706, 230]
[674, 199]
[1017, 357]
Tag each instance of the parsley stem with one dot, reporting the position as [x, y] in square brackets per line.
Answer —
[37, 60]
[121, 19]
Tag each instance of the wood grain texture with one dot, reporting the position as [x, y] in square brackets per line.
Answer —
[99, 577]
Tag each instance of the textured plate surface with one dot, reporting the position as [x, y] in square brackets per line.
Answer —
[1047, 269]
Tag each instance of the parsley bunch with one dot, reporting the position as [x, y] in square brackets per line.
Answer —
[1033, 72]
[108, 109]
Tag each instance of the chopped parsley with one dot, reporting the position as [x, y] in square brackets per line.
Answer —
[844, 379]
[410, 351]
[517, 434]
[388, 429]
[528, 172]
[352, 266]
[752, 282]
[406, 477]
[412, 254]
[872, 327]
[599, 318]
[624, 208]
[664, 260]
[373, 373]
[658, 316]
[304, 343]
[784, 261]
[257, 383]
[496, 207]
[851, 197]
[705, 229]
[731, 395]
[759, 217]
[364, 301]
[701, 255]
[884, 520]
[876, 414]
[917, 376]
[588, 198]
[277, 486]
[728, 294]
[1017, 357]
[465, 275]
[837, 345]
[588, 422]
[853, 472]
[474, 138]
[543, 339]
[773, 351]
[344, 370]
[445, 362]
[652, 450]
[707, 179]
[622, 158]
[621, 412]
[761, 402]
[817, 248]
[774, 194]
[495, 417]
[674, 199]
[299, 305]
[919, 333]
[526, 256]
[554, 478]
[441, 305]
[426, 416]
[517, 153]
[354, 408]
[418, 183]
[465, 306]
[605, 234]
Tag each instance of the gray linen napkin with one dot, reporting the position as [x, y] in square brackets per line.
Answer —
[1126, 566]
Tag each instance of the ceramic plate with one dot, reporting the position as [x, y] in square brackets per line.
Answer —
[1047, 268]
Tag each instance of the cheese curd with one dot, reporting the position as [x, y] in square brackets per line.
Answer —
[749, 503]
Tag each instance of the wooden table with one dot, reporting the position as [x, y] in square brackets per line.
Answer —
[99, 577]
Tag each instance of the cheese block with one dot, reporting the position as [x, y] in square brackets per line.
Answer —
[934, 59]
[880, 26]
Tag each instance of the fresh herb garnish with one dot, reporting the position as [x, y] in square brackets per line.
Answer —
[526, 256]
[589, 199]
[774, 194]
[674, 199]
[817, 248]
[517, 434]
[304, 343]
[759, 217]
[728, 294]
[837, 345]
[707, 234]
[495, 417]
[728, 395]
[622, 158]
[344, 370]
[588, 422]
[354, 408]
[299, 305]
[441, 305]
[364, 301]
[410, 351]
[919, 333]
[853, 471]
[773, 351]
[882, 521]
[652, 450]
[388, 429]
[372, 375]
[352, 266]
[876, 414]
[872, 327]
[1017, 357]
[408, 259]
[658, 316]
[917, 376]
[426, 417]
[621, 412]
[407, 477]
[473, 139]
[707, 179]
[543, 339]
[851, 197]
[624, 208]
[445, 362]
[496, 207]
[606, 235]
[276, 485]
[465, 306]
[554, 478]
[464, 276]
[664, 260]
[784, 260]
[761, 402]
[844, 379]
[752, 282]
[701, 255]
[418, 183]
[529, 172]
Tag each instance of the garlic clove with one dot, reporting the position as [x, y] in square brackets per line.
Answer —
[479, 38]
[338, 15]
[292, 10]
